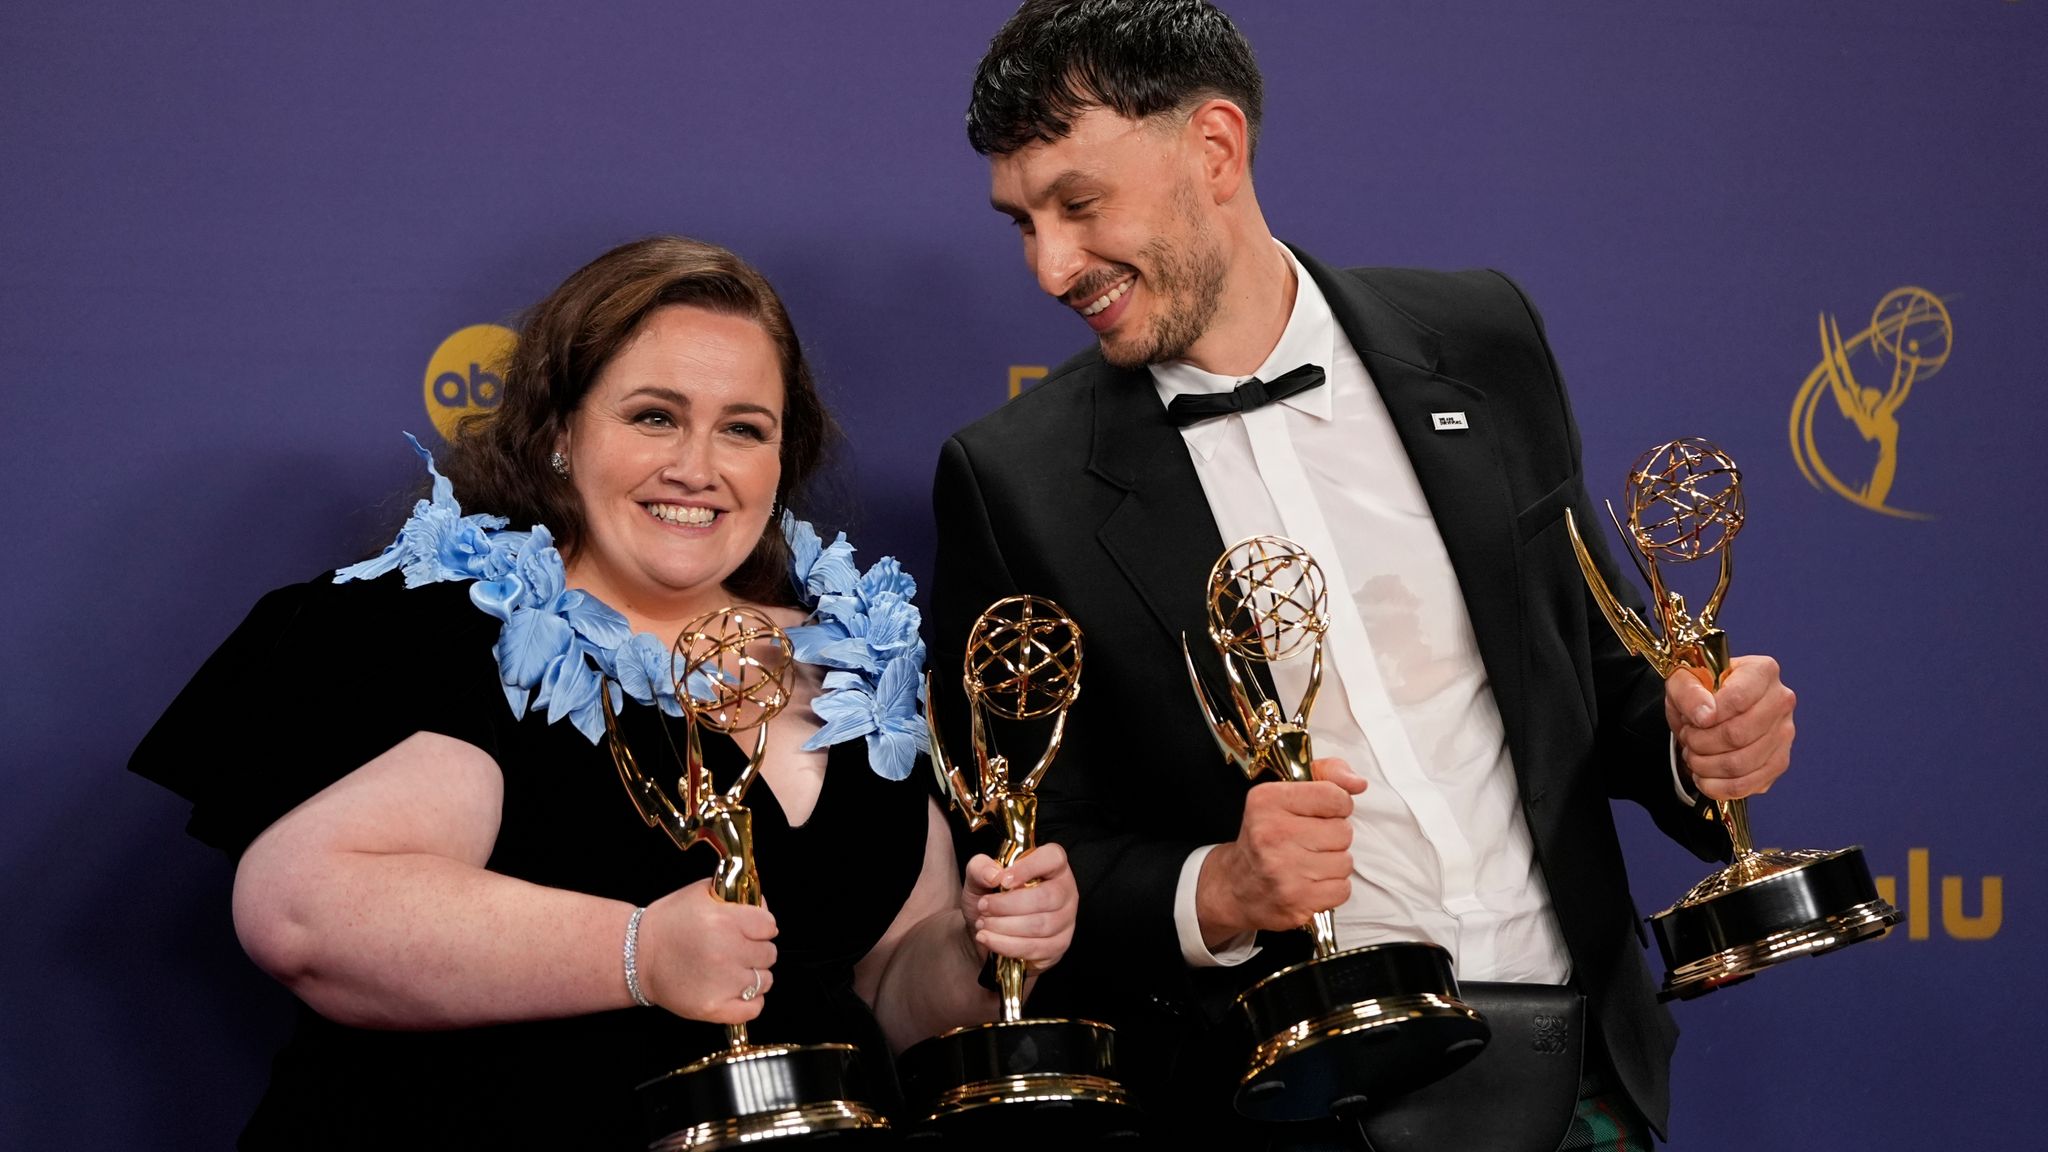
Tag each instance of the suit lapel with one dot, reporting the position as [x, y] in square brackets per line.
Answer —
[1161, 535]
[1461, 472]
[1163, 538]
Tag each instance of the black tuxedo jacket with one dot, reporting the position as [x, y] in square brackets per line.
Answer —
[1081, 490]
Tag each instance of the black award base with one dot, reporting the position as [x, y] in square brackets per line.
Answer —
[759, 1093]
[1765, 909]
[1343, 1030]
[1038, 1080]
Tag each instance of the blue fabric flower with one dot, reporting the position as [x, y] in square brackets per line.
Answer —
[438, 542]
[886, 577]
[892, 625]
[595, 620]
[810, 642]
[561, 649]
[836, 642]
[497, 597]
[647, 668]
[817, 569]
[866, 629]
[569, 687]
[886, 711]
[530, 640]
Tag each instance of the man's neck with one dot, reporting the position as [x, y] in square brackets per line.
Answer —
[1258, 298]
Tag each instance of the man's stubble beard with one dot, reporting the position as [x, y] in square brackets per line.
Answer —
[1188, 282]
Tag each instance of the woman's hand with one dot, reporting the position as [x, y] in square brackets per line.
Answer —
[1025, 911]
[698, 955]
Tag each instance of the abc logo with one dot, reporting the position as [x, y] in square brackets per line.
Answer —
[465, 375]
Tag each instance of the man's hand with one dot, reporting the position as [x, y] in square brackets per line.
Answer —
[1291, 858]
[1737, 741]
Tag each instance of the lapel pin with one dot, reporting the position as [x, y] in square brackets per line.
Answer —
[1448, 421]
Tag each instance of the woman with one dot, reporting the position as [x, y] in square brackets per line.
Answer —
[460, 892]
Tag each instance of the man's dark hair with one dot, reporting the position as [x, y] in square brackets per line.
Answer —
[1056, 59]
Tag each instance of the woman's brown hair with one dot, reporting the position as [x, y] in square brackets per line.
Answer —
[499, 460]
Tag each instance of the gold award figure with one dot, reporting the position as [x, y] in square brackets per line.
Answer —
[739, 662]
[1023, 662]
[1685, 503]
[1347, 1027]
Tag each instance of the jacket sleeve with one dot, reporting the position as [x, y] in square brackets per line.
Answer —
[1126, 865]
[1632, 741]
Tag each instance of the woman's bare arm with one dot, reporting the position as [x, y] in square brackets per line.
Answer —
[923, 976]
[371, 902]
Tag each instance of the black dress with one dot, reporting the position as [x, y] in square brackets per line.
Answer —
[321, 678]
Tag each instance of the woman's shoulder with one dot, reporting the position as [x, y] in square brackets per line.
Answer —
[316, 681]
[359, 610]
[385, 601]
[324, 633]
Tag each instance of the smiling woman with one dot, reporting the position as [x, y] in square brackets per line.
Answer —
[654, 314]
[467, 903]
[674, 456]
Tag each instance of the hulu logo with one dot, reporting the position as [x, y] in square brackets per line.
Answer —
[1956, 919]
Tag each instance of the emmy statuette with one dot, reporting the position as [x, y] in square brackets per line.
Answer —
[1685, 503]
[749, 1092]
[1347, 1027]
[1055, 1077]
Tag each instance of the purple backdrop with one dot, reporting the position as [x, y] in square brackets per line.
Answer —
[234, 233]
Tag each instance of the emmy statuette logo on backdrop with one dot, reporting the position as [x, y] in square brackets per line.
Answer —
[1868, 378]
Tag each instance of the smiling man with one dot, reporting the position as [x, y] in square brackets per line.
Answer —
[1410, 429]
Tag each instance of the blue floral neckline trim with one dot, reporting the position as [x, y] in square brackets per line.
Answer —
[560, 646]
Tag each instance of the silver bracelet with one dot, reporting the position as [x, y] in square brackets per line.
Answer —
[633, 958]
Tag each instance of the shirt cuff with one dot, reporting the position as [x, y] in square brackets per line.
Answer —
[1679, 778]
[1189, 926]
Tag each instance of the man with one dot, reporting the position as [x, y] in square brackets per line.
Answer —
[1476, 712]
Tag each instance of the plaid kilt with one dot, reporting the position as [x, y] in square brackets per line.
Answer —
[1606, 1122]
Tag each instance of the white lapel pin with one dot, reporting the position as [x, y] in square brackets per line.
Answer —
[1448, 421]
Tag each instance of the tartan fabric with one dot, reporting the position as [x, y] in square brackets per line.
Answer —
[1606, 1122]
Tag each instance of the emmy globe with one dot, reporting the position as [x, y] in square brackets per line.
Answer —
[1769, 905]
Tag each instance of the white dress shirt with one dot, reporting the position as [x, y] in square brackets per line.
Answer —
[1440, 851]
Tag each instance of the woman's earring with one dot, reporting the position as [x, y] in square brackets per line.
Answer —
[559, 463]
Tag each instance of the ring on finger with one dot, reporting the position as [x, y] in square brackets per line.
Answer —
[753, 990]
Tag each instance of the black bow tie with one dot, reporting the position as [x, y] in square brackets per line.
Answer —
[1253, 393]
